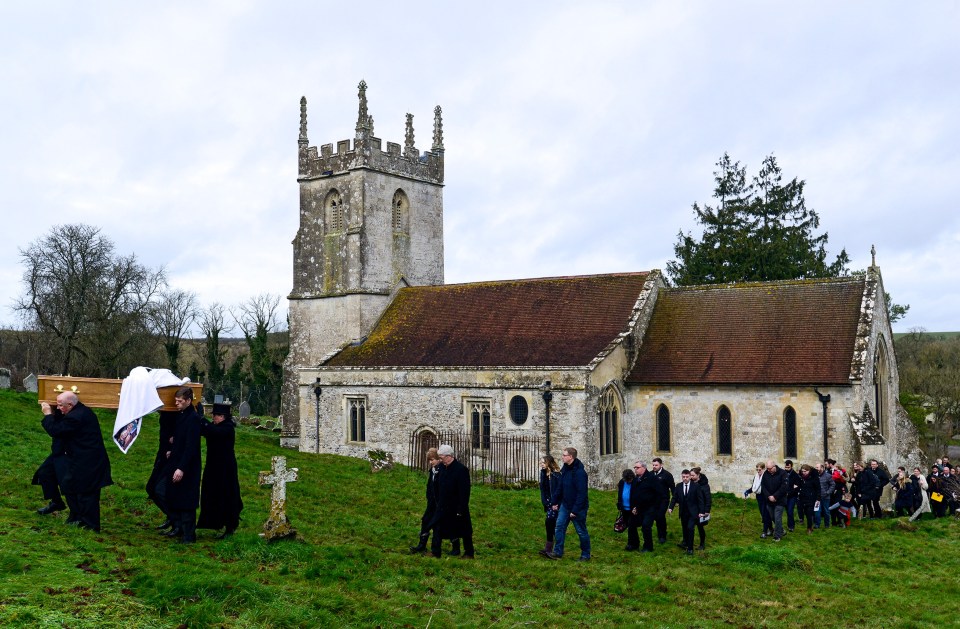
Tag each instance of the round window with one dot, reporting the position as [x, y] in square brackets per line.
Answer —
[518, 410]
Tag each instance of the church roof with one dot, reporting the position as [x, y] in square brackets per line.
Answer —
[791, 332]
[555, 322]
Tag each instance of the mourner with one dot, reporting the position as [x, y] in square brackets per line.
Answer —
[220, 503]
[88, 467]
[180, 493]
[453, 504]
[50, 476]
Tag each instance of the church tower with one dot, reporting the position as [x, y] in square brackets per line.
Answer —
[369, 219]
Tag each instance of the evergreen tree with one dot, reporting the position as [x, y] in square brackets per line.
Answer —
[761, 230]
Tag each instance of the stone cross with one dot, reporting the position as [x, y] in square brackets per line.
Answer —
[277, 526]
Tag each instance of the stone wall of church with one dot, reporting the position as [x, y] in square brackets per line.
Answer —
[398, 402]
[757, 422]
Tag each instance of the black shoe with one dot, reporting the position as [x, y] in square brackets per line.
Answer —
[174, 532]
[53, 507]
[662, 540]
[552, 556]
[646, 550]
[629, 548]
[701, 547]
[226, 533]
[689, 551]
[467, 557]
[167, 524]
[584, 559]
[455, 552]
[186, 541]
[435, 555]
[681, 545]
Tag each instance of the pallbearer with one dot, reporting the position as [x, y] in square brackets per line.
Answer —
[88, 467]
[220, 503]
[182, 495]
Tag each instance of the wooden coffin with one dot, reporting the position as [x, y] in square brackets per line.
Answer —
[102, 392]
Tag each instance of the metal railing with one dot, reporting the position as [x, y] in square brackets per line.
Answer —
[491, 459]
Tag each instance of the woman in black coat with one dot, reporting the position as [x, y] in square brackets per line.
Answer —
[627, 507]
[549, 479]
[904, 488]
[220, 503]
[706, 503]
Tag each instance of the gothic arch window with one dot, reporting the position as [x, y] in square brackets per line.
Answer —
[357, 418]
[663, 428]
[790, 433]
[400, 212]
[333, 212]
[608, 413]
[724, 431]
[881, 380]
[478, 416]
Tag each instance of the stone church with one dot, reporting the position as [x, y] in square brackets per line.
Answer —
[620, 366]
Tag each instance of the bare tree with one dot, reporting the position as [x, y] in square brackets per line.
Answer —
[170, 317]
[257, 317]
[90, 300]
[213, 323]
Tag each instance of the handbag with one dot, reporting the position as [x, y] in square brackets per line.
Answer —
[551, 514]
[620, 525]
[936, 497]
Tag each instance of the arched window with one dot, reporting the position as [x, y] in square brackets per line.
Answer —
[790, 433]
[333, 212]
[608, 412]
[663, 428]
[400, 211]
[881, 384]
[724, 432]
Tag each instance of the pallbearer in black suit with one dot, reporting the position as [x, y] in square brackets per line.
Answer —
[183, 492]
[88, 467]
[220, 503]
[666, 479]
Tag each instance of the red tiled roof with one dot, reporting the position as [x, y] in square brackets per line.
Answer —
[800, 332]
[562, 321]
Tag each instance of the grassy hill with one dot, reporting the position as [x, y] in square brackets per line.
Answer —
[352, 568]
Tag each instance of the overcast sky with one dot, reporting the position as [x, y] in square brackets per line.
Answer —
[577, 134]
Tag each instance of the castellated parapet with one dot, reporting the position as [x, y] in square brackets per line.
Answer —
[367, 150]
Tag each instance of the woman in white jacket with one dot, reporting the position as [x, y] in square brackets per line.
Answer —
[925, 505]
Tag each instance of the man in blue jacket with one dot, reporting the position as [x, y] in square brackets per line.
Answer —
[571, 503]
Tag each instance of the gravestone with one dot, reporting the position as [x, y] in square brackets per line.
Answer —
[244, 410]
[277, 525]
[30, 383]
[4, 378]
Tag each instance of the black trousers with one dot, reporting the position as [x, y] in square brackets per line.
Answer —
[466, 529]
[661, 519]
[160, 497]
[687, 530]
[633, 538]
[48, 475]
[85, 509]
[646, 525]
[186, 521]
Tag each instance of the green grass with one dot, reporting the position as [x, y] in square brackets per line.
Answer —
[352, 568]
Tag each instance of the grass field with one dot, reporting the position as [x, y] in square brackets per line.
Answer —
[352, 566]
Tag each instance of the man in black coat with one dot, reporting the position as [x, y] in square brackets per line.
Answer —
[776, 486]
[648, 492]
[666, 479]
[220, 503]
[883, 479]
[182, 493]
[453, 504]
[88, 467]
[50, 476]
